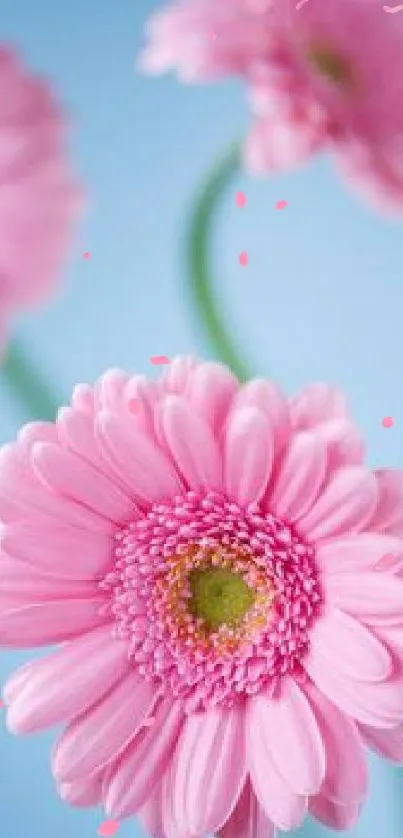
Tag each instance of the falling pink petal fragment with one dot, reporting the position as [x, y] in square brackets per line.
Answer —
[243, 259]
[86, 254]
[159, 359]
[281, 204]
[149, 722]
[387, 422]
[240, 199]
[134, 405]
[392, 9]
[108, 828]
[300, 4]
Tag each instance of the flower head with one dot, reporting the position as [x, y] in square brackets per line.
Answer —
[224, 575]
[320, 77]
[38, 199]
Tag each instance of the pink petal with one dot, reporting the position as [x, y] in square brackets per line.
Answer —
[191, 443]
[14, 683]
[347, 647]
[179, 374]
[248, 820]
[287, 725]
[101, 733]
[267, 397]
[282, 806]
[348, 554]
[144, 394]
[76, 432]
[345, 506]
[73, 478]
[169, 819]
[300, 477]
[210, 391]
[110, 389]
[280, 142]
[375, 598]
[378, 704]
[208, 770]
[388, 515]
[335, 815]
[57, 550]
[315, 404]
[61, 686]
[392, 637]
[35, 432]
[344, 444]
[150, 814]
[146, 471]
[392, 564]
[346, 779]
[44, 623]
[83, 398]
[386, 743]
[134, 776]
[20, 582]
[248, 455]
[84, 792]
[22, 493]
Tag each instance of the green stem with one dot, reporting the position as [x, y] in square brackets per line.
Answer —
[28, 385]
[199, 263]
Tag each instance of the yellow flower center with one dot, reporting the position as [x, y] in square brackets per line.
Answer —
[219, 597]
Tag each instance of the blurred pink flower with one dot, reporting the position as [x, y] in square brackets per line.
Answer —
[203, 39]
[223, 574]
[38, 198]
[322, 77]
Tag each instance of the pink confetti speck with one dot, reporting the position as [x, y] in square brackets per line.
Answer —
[134, 405]
[108, 828]
[387, 422]
[159, 359]
[243, 259]
[392, 9]
[240, 199]
[281, 204]
[149, 722]
[86, 254]
[300, 4]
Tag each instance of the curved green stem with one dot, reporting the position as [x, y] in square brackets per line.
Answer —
[199, 263]
[28, 385]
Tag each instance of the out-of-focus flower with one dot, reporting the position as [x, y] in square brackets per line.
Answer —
[324, 76]
[38, 199]
[213, 564]
[203, 40]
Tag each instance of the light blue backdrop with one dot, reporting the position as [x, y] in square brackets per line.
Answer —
[321, 298]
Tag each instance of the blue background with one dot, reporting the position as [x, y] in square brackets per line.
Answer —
[321, 298]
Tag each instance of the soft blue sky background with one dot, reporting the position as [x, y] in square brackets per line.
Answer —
[321, 298]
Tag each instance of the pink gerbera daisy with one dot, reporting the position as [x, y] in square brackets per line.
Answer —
[222, 572]
[37, 197]
[324, 75]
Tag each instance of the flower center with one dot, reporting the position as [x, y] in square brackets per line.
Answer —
[219, 597]
[215, 601]
[331, 65]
